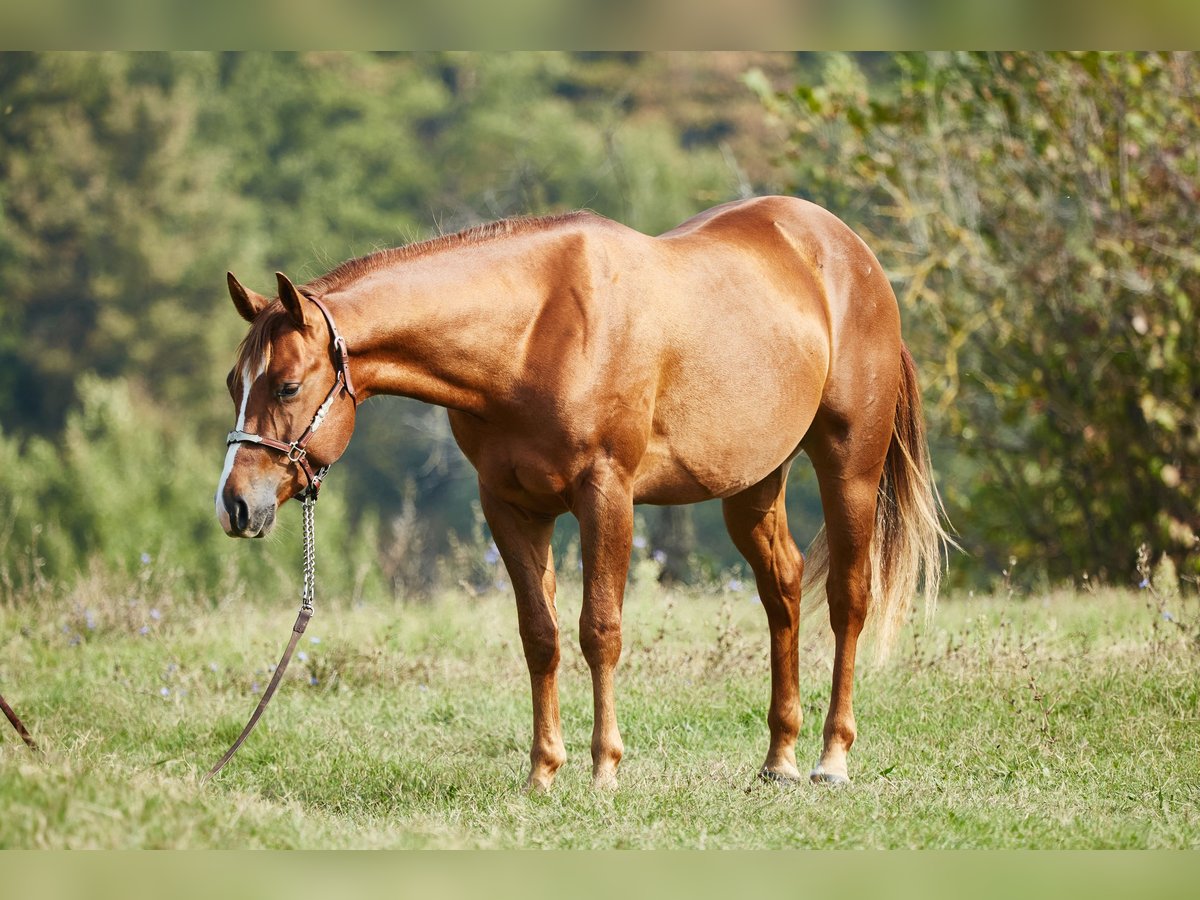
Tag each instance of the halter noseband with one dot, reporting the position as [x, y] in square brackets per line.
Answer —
[296, 451]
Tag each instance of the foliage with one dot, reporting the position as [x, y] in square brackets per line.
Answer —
[113, 219]
[1036, 212]
[130, 182]
[116, 492]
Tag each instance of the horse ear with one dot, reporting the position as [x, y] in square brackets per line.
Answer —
[291, 299]
[248, 303]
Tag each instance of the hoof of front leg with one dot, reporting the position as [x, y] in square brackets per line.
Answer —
[538, 784]
[780, 776]
[605, 761]
[604, 779]
[821, 775]
[542, 772]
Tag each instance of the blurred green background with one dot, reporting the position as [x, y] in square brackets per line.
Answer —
[1036, 213]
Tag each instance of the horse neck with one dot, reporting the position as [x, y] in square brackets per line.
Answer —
[450, 328]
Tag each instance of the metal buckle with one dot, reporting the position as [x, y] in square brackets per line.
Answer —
[241, 437]
[310, 492]
[295, 452]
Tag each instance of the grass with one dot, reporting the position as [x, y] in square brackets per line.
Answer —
[1069, 720]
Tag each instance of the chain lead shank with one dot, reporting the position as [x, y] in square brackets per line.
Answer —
[308, 594]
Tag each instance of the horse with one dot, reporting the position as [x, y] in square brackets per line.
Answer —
[587, 367]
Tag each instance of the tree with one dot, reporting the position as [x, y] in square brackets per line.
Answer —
[129, 183]
[1037, 213]
[112, 220]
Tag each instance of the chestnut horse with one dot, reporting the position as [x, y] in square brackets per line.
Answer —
[587, 367]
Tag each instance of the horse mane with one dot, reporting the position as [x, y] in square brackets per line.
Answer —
[255, 347]
[353, 269]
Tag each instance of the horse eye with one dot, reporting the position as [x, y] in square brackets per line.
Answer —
[288, 390]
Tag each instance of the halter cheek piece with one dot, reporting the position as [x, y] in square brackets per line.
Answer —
[296, 451]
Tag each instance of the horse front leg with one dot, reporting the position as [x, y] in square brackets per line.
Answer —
[523, 540]
[604, 508]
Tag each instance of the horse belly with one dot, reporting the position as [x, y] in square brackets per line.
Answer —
[731, 427]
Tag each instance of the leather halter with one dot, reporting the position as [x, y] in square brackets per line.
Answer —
[296, 451]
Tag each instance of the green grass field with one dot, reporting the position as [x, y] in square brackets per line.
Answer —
[1070, 720]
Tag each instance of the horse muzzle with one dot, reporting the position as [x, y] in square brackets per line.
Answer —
[245, 518]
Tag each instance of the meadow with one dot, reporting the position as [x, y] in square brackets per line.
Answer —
[1061, 719]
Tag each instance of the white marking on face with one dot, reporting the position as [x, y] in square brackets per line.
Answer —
[231, 453]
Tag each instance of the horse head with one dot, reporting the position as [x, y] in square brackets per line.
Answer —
[293, 421]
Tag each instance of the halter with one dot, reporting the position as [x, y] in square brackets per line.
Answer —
[296, 451]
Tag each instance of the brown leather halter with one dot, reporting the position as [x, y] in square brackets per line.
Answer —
[296, 451]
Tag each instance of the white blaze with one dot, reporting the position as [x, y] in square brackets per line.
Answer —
[231, 453]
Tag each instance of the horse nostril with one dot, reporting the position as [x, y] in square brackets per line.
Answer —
[240, 514]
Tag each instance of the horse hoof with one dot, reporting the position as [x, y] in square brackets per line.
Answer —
[820, 776]
[779, 778]
[604, 781]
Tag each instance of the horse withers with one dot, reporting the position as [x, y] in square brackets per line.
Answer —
[585, 368]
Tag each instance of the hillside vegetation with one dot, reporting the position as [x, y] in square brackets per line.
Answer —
[1036, 213]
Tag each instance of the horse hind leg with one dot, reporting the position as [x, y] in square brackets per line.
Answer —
[848, 467]
[757, 522]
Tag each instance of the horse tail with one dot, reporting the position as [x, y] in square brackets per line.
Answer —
[909, 543]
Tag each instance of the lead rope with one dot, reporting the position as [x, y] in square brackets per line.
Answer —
[16, 722]
[308, 594]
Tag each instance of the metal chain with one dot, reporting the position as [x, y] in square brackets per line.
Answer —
[310, 554]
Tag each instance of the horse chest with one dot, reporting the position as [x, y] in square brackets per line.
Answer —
[522, 464]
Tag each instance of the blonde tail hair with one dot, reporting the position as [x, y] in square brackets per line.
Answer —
[909, 543]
